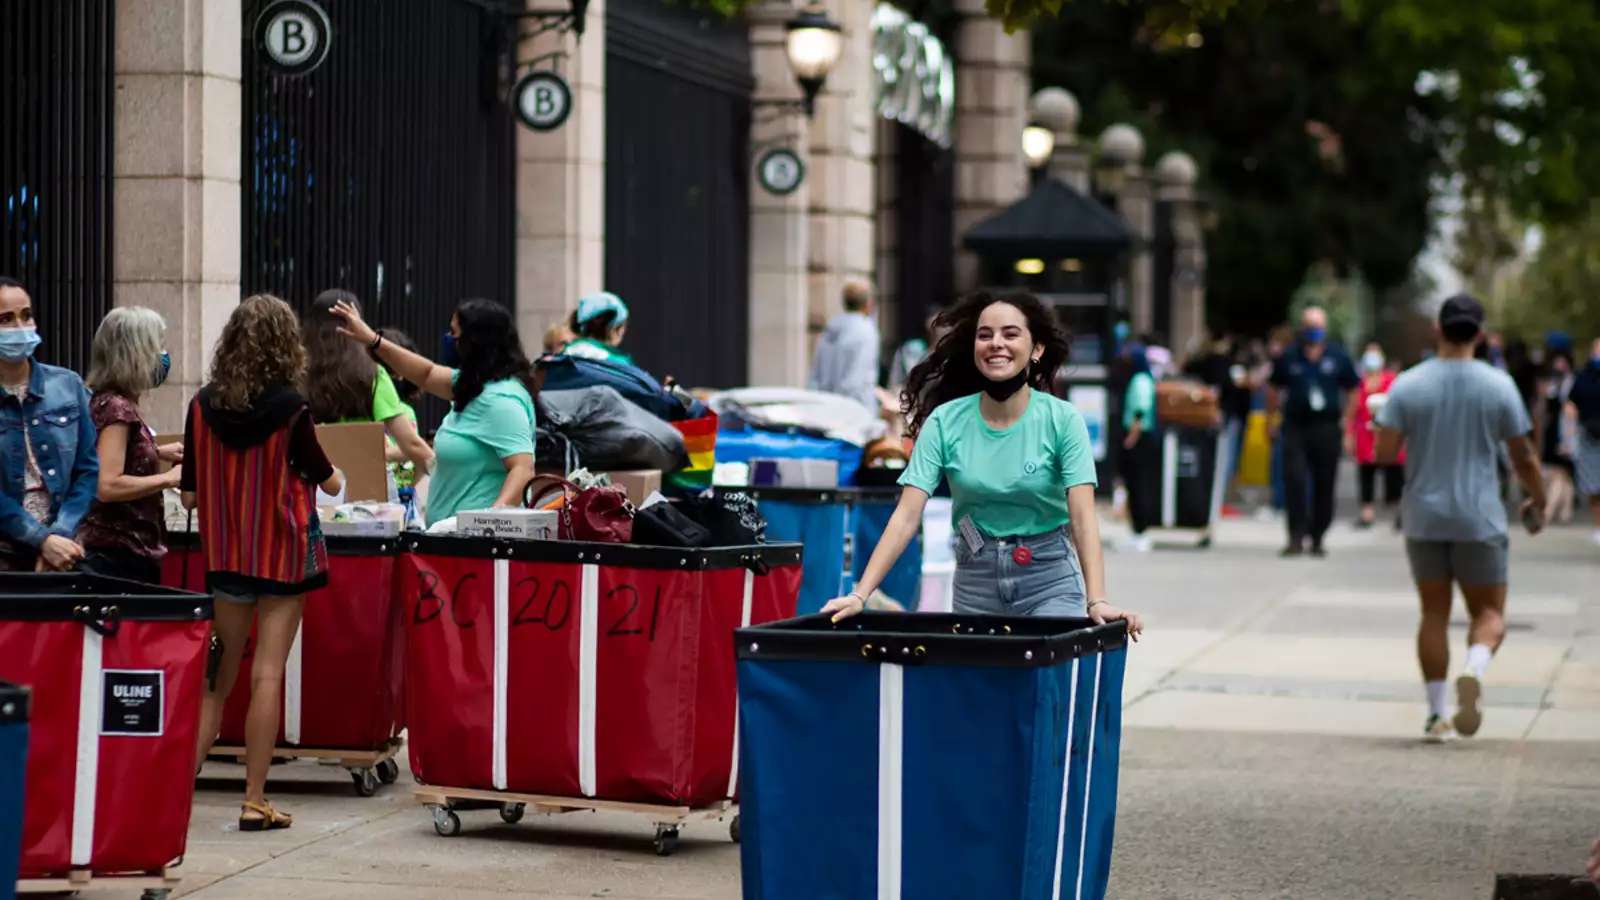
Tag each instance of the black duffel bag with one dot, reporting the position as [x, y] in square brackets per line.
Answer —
[664, 525]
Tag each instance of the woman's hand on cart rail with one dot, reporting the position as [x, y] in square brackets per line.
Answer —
[1101, 612]
[844, 607]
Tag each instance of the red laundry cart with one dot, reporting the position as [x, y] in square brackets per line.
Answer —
[580, 675]
[341, 688]
[116, 670]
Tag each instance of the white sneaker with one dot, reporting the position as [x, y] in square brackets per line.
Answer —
[1438, 731]
[1138, 543]
[1469, 705]
[1595, 537]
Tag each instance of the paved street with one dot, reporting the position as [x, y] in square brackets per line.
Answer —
[1270, 750]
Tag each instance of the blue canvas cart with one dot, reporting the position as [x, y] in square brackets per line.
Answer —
[929, 756]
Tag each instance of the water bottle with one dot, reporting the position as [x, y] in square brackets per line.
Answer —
[408, 498]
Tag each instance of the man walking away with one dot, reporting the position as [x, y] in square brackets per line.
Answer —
[846, 360]
[1313, 384]
[1453, 412]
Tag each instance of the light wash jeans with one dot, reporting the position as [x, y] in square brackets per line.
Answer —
[992, 582]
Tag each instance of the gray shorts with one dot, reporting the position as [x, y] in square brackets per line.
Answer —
[992, 581]
[1471, 563]
[241, 599]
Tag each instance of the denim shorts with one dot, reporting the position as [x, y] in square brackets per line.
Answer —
[992, 581]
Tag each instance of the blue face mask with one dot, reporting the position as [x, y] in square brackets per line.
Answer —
[1314, 335]
[17, 344]
[449, 354]
[163, 369]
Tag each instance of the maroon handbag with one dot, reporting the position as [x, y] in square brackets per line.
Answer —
[599, 514]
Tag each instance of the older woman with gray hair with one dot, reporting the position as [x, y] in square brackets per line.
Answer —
[124, 533]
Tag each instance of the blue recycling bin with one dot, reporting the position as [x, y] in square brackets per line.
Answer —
[13, 775]
[929, 756]
[839, 528]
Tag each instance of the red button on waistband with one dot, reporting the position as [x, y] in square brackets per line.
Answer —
[1022, 556]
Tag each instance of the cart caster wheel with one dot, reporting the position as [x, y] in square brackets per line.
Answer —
[446, 822]
[1205, 542]
[733, 828]
[366, 782]
[666, 839]
[511, 813]
[156, 894]
[388, 771]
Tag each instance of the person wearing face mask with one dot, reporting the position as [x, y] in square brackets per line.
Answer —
[1314, 385]
[484, 447]
[124, 534]
[1584, 406]
[48, 467]
[1019, 465]
[1361, 440]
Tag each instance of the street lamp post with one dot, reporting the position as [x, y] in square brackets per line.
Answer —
[1038, 143]
[813, 44]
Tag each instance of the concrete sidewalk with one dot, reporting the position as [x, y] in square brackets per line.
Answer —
[1270, 750]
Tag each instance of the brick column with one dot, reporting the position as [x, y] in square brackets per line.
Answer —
[843, 190]
[1119, 165]
[176, 179]
[1175, 174]
[779, 230]
[561, 179]
[991, 111]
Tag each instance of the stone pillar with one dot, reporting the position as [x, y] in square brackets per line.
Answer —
[1056, 109]
[843, 194]
[1122, 175]
[779, 234]
[561, 180]
[1175, 173]
[176, 199]
[991, 111]
[887, 231]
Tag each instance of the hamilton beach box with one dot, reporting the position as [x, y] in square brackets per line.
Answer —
[513, 524]
[116, 671]
[929, 756]
[601, 671]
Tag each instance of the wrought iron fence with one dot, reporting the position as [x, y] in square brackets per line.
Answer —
[55, 165]
[390, 170]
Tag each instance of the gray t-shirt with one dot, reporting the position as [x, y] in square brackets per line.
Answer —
[1455, 415]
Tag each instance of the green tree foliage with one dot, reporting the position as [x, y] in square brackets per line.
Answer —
[1307, 149]
[1560, 289]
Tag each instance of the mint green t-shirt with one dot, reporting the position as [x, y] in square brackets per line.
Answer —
[1011, 482]
[471, 445]
[1139, 404]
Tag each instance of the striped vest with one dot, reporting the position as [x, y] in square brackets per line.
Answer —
[258, 519]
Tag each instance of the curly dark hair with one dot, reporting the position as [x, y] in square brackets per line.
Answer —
[259, 348]
[950, 369]
[339, 372]
[490, 350]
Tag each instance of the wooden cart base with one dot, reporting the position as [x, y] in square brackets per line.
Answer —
[156, 885]
[445, 802]
[368, 768]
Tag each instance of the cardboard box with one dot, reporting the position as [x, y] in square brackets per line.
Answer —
[362, 528]
[356, 449]
[803, 473]
[639, 483]
[519, 524]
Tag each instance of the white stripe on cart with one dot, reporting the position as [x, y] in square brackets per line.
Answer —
[588, 637]
[293, 681]
[1169, 478]
[502, 641]
[744, 622]
[1066, 782]
[86, 781]
[891, 746]
[1088, 773]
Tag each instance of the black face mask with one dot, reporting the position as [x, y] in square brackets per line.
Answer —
[1001, 391]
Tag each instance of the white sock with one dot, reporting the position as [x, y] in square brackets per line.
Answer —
[1478, 656]
[1438, 698]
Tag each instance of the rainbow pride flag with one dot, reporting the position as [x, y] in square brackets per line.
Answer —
[700, 437]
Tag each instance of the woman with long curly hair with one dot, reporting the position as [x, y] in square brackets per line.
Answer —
[485, 444]
[344, 384]
[252, 465]
[1019, 464]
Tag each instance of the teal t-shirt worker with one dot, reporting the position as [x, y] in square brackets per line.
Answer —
[1019, 464]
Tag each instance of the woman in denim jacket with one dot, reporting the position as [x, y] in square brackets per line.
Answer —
[48, 468]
